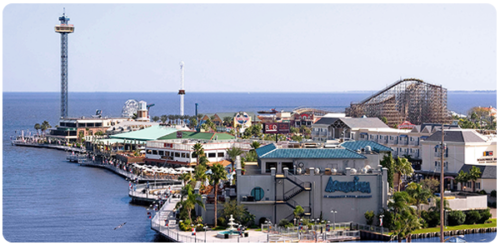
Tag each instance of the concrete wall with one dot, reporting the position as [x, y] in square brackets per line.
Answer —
[350, 208]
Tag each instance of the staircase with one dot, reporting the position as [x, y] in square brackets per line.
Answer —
[300, 186]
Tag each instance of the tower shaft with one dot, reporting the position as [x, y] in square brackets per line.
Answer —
[64, 29]
[64, 75]
[181, 91]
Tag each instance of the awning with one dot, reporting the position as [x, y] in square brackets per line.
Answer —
[363, 133]
[403, 135]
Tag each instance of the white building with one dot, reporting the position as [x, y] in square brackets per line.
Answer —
[464, 148]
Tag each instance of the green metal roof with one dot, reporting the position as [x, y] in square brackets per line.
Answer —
[361, 144]
[313, 153]
[199, 136]
[265, 149]
[120, 141]
[151, 133]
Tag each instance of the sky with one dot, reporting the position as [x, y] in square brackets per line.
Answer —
[250, 47]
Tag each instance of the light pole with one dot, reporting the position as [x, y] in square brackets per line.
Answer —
[206, 227]
[334, 212]
[381, 224]
[294, 221]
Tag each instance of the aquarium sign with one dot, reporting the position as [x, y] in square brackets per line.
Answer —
[355, 185]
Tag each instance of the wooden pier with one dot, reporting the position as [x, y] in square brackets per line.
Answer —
[50, 146]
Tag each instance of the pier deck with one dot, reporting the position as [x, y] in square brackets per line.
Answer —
[50, 146]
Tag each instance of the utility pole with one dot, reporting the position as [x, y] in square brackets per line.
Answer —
[441, 209]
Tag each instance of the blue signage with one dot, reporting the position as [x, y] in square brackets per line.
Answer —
[356, 185]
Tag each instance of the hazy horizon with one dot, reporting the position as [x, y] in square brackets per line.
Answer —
[250, 47]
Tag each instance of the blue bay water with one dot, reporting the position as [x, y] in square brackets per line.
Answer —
[46, 199]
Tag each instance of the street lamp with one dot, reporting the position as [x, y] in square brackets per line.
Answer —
[334, 212]
[206, 227]
[294, 221]
[381, 223]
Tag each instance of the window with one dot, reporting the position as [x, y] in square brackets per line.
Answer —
[478, 185]
[257, 193]
[288, 165]
[220, 154]
[177, 154]
[160, 153]
[183, 155]
[211, 154]
[270, 165]
[155, 152]
[148, 151]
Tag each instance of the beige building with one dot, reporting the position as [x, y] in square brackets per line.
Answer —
[464, 148]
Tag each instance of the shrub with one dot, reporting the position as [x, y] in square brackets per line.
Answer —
[482, 192]
[431, 218]
[492, 204]
[185, 225]
[369, 217]
[262, 220]
[472, 217]
[493, 193]
[456, 218]
[485, 215]
[284, 222]
[221, 221]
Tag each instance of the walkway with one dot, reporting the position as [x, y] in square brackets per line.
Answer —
[50, 146]
[173, 233]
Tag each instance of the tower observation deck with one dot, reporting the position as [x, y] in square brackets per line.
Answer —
[64, 29]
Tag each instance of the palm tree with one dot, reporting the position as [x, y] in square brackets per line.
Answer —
[134, 116]
[255, 145]
[198, 151]
[185, 177]
[403, 220]
[419, 195]
[474, 174]
[227, 120]
[163, 118]
[37, 127]
[170, 118]
[190, 202]
[218, 174]
[233, 153]
[402, 167]
[156, 119]
[462, 178]
[43, 128]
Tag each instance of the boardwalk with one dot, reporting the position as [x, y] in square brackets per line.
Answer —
[174, 234]
[50, 146]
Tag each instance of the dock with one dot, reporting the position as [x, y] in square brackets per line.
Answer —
[50, 146]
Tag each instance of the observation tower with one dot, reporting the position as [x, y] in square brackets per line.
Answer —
[64, 29]
[181, 91]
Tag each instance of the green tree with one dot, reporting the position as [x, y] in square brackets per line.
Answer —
[294, 130]
[185, 177]
[227, 121]
[199, 172]
[193, 122]
[462, 178]
[298, 211]
[218, 174]
[255, 145]
[232, 208]
[233, 152]
[190, 202]
[474, 174]
[163, 118]
[405, 219]
[37, 128]
[402, 167]
[384, 119]
[430, 184]
[369, 215]
[156, 119]
[456, 218]
[388, 162]
[134, 116]
[419, 195]
[198, 151]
